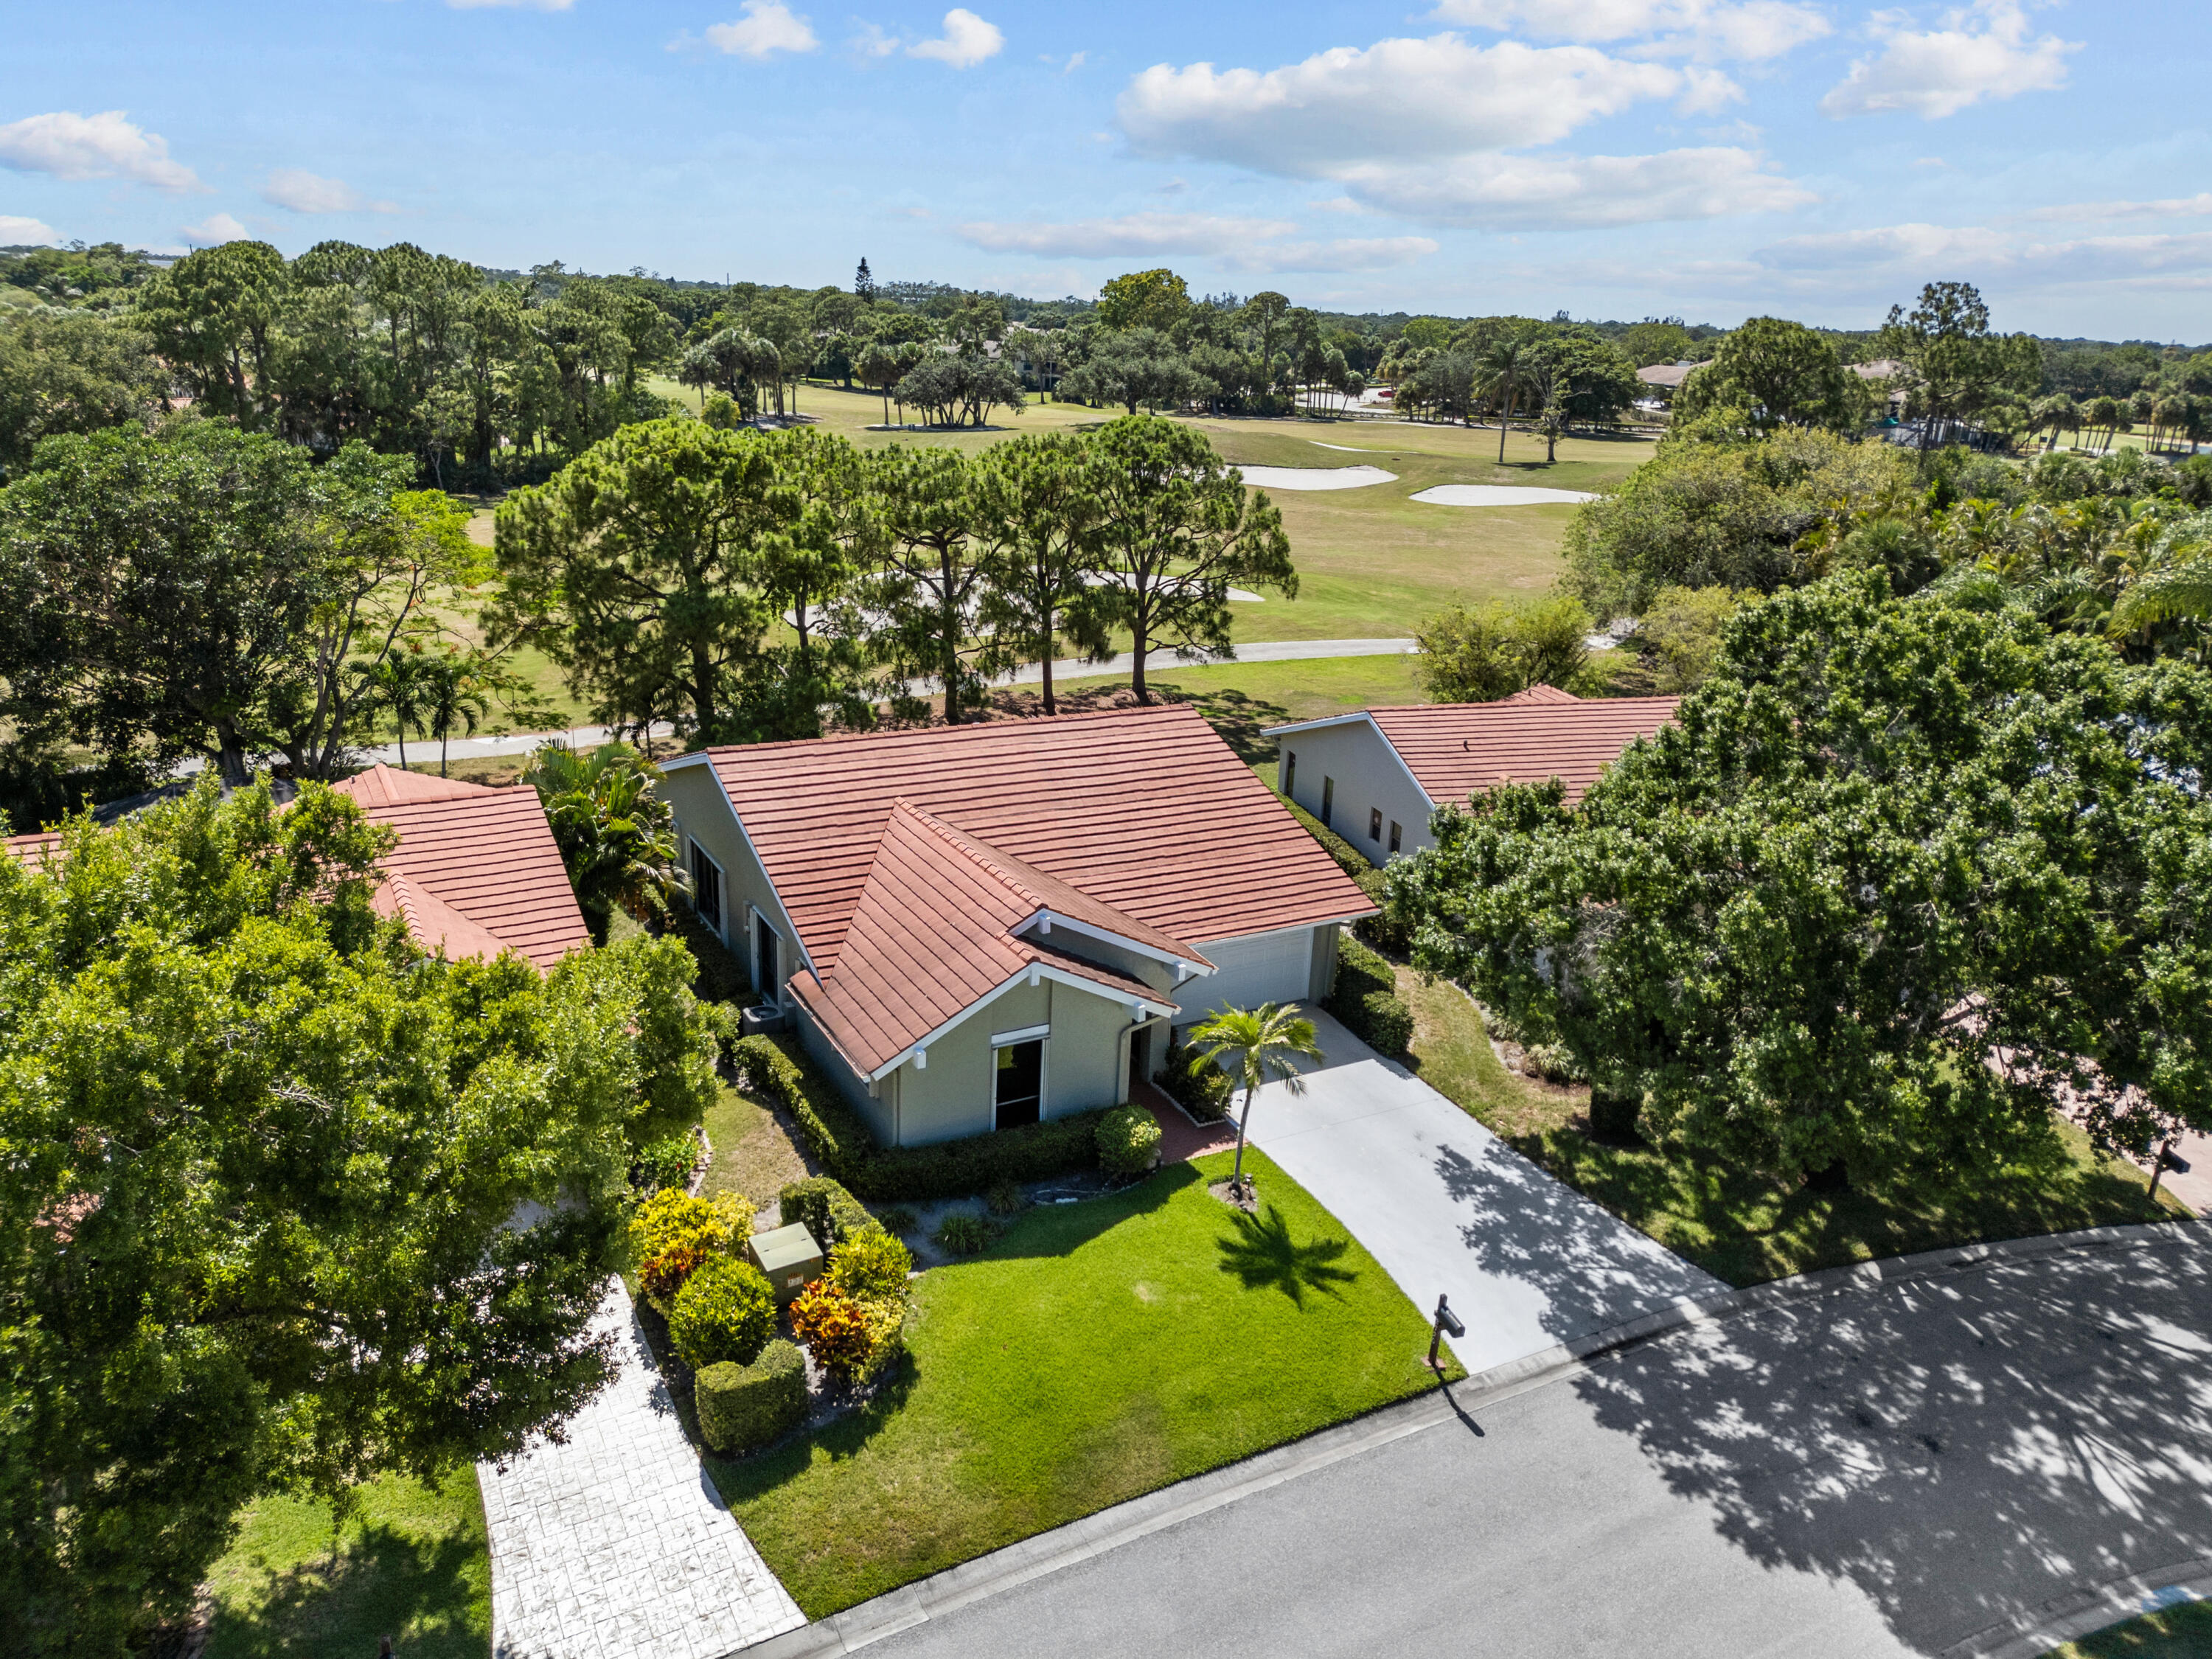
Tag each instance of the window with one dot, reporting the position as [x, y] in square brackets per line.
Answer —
[1374, 824]
[1327, 799]
[707, 887]
[1394, 835]
[1290, 772]
[1019, 1082]
[765, 982]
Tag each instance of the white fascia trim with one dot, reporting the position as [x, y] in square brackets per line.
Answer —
[790, 929]
[1034, 971]
[696, 757]
[1046, 920]
[1300, 927]
[1347, 720]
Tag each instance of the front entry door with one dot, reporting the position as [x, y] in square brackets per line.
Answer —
[1019, 1092]
[1140, 1057]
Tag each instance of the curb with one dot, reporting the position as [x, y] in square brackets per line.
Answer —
[2079, 1613]
[1081, 1540]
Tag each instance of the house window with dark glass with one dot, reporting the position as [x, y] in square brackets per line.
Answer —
[1394, 835]
[1017, 1091]
[1374, 824]
[706, 888]
[1327, 799]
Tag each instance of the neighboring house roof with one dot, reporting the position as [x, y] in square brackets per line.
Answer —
[1667, 375]
[938, 928]
[475, 869]
[1140, 823]
[1453, 750]
[1882, 368]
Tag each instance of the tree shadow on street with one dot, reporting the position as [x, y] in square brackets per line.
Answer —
[1264, 1256]
[1961, 1447]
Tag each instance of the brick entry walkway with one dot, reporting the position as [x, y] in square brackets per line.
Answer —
[1180, 1138]
[616, 1546]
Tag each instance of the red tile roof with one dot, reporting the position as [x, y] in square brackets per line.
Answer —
[932, 935]
[1146, 809]
[1541, 693]
[475, 868]
[1457, 749]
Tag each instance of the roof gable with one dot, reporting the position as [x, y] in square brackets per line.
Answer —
[1455, 749]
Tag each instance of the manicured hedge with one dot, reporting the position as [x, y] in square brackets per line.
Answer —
[1128, 1141]
[841, 1142]
[725, 1311]
[742, 1407]
[1379, 930]
[721, 977]
[1205, 1094]
[829, 1212]
[1365, 1000]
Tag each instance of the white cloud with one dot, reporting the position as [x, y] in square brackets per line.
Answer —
[1560, 192]
[517, 5]
[15, 231]
[1130, 233]
[966, 42]
[1916, 245]
[2174, 207]
[1752, 29]
[103, 146]
[1707, 92]
[215, 228]
[1901, 255]
[1983, 52]
[767, 27]
[298, 190]
[1395, 99]
[873, 42]
[1074, 62]
[1340, 254]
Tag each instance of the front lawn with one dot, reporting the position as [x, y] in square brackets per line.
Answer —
[1741, 1226]
[414, 1566]
[2178, 1632]
[1098, 1350]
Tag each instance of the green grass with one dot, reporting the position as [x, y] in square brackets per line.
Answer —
[413, 1567]
[1744, 1226]
[1099, 1351]
[2179, 1632]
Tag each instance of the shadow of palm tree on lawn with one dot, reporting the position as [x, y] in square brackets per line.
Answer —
[1263, 1255]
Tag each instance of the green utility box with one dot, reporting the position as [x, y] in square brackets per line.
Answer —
[789, 1256]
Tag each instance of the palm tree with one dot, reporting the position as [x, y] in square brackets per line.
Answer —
[396, 685]
[1506, 370]
[617, 838]
[453, 692]
[1258, 1043]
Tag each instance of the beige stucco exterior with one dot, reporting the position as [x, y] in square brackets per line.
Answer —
[1370, 778]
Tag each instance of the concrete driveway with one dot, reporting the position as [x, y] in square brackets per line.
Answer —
[1447, 1207]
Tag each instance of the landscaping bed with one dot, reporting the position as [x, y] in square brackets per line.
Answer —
[2176, 1632]
[1098, 1349]
[1741, 1225]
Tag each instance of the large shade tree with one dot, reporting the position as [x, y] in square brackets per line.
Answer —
[1907, 878]
[287, 1204]
[1175, 529]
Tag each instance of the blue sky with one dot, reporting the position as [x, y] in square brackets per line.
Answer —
[1616, 158]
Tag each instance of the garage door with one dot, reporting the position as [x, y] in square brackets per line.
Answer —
[1256, 968]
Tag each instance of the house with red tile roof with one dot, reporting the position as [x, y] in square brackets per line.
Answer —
[476, 871]
[977, 927]
[1375, 777]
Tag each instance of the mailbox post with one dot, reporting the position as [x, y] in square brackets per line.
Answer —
[1447, 1324]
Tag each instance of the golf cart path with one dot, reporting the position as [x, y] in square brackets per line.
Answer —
[1447, 1208]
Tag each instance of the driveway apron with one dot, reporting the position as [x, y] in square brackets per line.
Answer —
[1447, 1208]
[614, 1544]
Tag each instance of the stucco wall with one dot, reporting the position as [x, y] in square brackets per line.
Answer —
[702, 814]
[1368, 776]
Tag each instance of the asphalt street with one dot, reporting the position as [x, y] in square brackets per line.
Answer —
[1886, 1470]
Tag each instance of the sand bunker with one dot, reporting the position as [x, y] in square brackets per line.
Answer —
[1315, 477]
[1496, 495]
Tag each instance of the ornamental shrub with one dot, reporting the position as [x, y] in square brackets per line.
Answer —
[1385, 1024]
[961, 1234]
[1365, 999]
[1128, 1141]
[665, 1163]
[664, 1276]
[725, 1311]
[1004, 1199]
[869, 1263]
[1204, 1094]
[829, 1212]
[744, 1407]
[671, 1216]
[833, 1327]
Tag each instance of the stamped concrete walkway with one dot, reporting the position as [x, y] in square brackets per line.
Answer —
[1447, 1207]
[615, 1545]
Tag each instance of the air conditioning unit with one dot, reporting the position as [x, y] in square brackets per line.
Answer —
[766, 1017]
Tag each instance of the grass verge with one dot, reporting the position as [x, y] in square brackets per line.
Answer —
[2182, 1633]
[1741, 1225]
[1098, 1350]
[413, 1567]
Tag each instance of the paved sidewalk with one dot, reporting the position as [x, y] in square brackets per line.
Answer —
[616, 1545]
[1447, 1208]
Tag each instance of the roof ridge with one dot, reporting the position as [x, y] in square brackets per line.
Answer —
[976, 849]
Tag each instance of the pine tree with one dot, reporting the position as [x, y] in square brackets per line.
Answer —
[863, 283]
